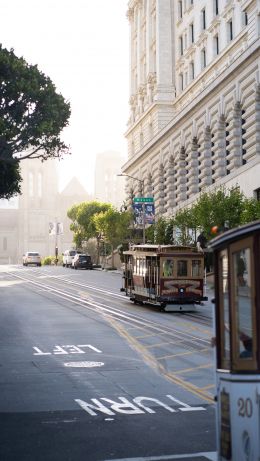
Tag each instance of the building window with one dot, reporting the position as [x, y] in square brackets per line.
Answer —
[132, 147]
[192, 33]
[181, 45]
[150, 130]
[215, 7]
[203, 59]
[180, 10]
[257, 194]
[203, 19]
[141, 140]
[192, 72]
[230, 30]
[4, 243]
[216, 45]
[245, 18]
[181, 82]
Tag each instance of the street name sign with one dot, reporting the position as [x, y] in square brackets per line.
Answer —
[143, 200]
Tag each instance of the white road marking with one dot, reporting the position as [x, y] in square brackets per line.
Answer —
[39, 352]
[72, 349]
[83, 364]
[185, 406]
[137, 406]
[211, 455]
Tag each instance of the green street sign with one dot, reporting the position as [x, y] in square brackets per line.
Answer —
[143, 199]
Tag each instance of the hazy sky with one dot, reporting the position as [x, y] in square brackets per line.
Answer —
[82, 45]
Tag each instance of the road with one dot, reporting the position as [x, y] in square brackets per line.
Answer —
[87, 375]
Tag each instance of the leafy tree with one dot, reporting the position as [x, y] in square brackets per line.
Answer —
[83, 225]
[113, 225]
[10, 179]
[251, 211]
[219, 208]
[32, 116]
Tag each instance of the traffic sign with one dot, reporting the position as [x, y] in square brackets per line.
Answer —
[143, 200]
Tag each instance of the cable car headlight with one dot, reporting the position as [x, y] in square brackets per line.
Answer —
[181, 290]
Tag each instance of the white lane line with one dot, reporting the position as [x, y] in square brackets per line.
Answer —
[212, 456]
[83, 364]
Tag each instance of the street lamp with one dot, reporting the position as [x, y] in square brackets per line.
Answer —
[141, 181]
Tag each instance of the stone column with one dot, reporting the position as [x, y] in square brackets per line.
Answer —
[170, 183]
[206, 161]
[181, 194]
[219, 149]
[194, 167]
[161, 201]
[257, 119]
[235, 145]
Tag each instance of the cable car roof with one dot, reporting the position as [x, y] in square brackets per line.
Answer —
[154, 250]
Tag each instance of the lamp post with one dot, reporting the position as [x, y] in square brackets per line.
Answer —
[141, 181]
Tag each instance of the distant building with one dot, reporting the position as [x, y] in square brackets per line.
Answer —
[109, 187]
[25, 220]
[194, 99]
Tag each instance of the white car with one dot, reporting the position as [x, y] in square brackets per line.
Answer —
[32, 257]
[68, 255]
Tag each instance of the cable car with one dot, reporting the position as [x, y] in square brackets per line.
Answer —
[237, 316]
[167, 276]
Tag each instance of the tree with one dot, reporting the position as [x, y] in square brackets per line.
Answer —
[83, 224]
[32, 116]
[221, 208]
[10, 179]
[113, 225]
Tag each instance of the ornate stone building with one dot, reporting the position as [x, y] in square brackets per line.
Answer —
[109, 187]
[24, 220]
[194, 99]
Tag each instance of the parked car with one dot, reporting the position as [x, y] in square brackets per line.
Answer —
[32, 257]
[68, 255]
[82, 261]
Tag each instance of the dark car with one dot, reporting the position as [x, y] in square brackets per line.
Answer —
[82, 261]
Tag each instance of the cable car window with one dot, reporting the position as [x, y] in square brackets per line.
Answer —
[243, 303]
[196, 268]
[182, 268]
[224, 303]
[168, 266]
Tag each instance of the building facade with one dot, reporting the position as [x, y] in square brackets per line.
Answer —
[194, 99]
[25, 220]
[109, 188]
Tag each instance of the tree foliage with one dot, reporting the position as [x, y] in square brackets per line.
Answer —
[83, 224]
[32, 116]
[222, 208]
[113, 225]
[10, 179]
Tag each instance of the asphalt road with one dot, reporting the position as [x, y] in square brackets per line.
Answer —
[77, 383]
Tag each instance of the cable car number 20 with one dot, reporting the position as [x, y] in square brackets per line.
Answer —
[245, 407]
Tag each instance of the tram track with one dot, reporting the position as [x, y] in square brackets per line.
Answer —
[192, 342]
[132, 326]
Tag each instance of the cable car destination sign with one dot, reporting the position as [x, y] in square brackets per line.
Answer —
[143, 199]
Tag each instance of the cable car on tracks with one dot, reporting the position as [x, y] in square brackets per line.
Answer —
[237, 316]
[170, 277]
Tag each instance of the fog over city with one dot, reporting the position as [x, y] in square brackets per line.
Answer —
[83, 47]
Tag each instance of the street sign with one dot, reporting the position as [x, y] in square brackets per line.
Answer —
[143, 199]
